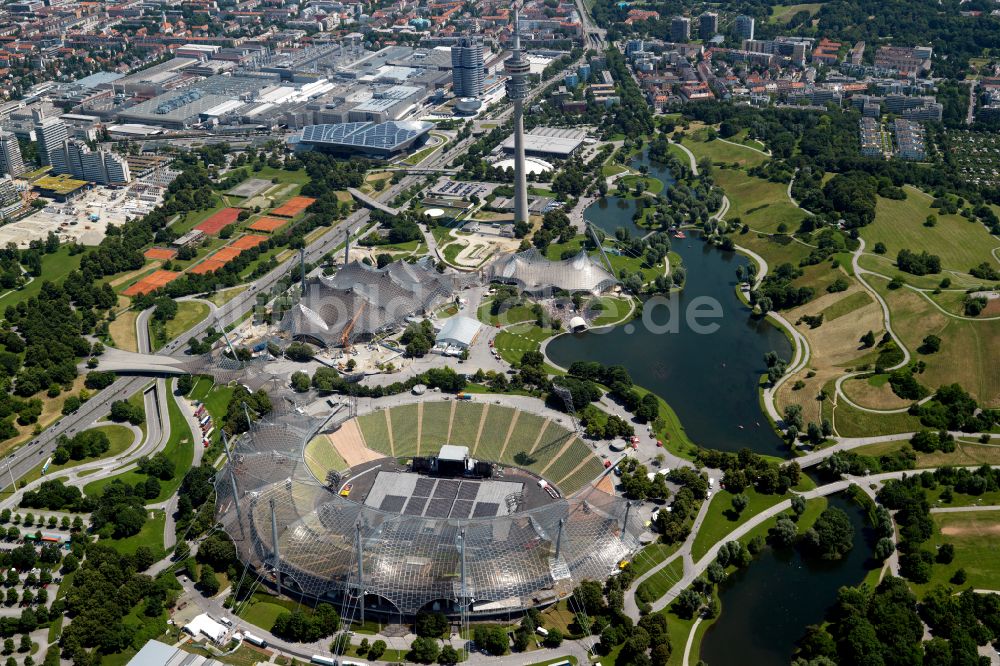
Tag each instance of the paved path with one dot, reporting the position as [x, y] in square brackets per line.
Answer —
[792, 199]
[690, 642]
[965, 509]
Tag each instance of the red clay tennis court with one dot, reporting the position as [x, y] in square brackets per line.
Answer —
[293, 206]
[207, 266]
[247, 242]
[268, 224]
[217, 222]
[159, 254]
[226, 254]
[151, 282]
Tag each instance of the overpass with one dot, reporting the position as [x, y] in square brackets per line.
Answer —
[120, 361]
[372, 203]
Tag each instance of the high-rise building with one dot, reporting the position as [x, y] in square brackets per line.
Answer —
[52, 135]
[744, 27]
[10, 199]
[467, 67]
[680, 29]
[11, 162]
[517, 68]
[99, 166]
[708, 25]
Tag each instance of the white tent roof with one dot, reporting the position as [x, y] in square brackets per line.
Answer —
[203, 624]
[452, 452]
[459, 330]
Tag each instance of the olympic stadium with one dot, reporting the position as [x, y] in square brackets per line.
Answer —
[477, 510]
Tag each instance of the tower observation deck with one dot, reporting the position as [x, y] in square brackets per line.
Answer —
[517, 68]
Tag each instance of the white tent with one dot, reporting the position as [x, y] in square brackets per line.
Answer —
[205, 625]
[458, 331]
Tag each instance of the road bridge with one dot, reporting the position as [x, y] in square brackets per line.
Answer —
[372, 203]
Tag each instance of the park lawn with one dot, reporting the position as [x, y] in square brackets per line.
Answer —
[721, 519]
[513, 315]
[609, 170]
[151, 536]
[782, 13]
[886, 265]
[961, 244]
[262, 609]
[660, 582]
[976, 537]
[722, 152]
[968, 347]
[615, 310]
[452, 250]
[651, 185]
[671, 431]
[757, 202]
[776, 250]
[650, 556]
[189, 313]
[55, 268]
[851, 422]
[515, 340]
[966, 454]
[846, 305]
[122, 331]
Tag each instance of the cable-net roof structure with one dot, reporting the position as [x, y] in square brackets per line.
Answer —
[299, 533]
[361, 301]
[532, 272]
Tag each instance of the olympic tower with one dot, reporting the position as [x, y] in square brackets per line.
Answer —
[517, 68]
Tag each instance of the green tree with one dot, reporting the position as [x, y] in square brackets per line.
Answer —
[423, 650]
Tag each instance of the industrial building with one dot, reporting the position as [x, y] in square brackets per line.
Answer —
[554, 142]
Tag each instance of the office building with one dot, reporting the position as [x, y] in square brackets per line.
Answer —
[467, 67]
[52, 135]
[708, 25]
[680, 29]
[11, 162]
[744, 27]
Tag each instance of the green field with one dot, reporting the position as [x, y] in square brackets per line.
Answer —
[968, 348]
[189, 313]
[781, 13]
[976, 537]
[55, 268]
[151, 535]
[375, 431]
[465, 424]
[720, 151]
[321, 457]
[404, 429]
[961, 244]
[757, 202]
[721, 519]
[512, 315]
[537, 444]
[847, 305]
[512, 342]
[435, 424]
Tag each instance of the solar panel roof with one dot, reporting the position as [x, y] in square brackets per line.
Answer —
[366, 134]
